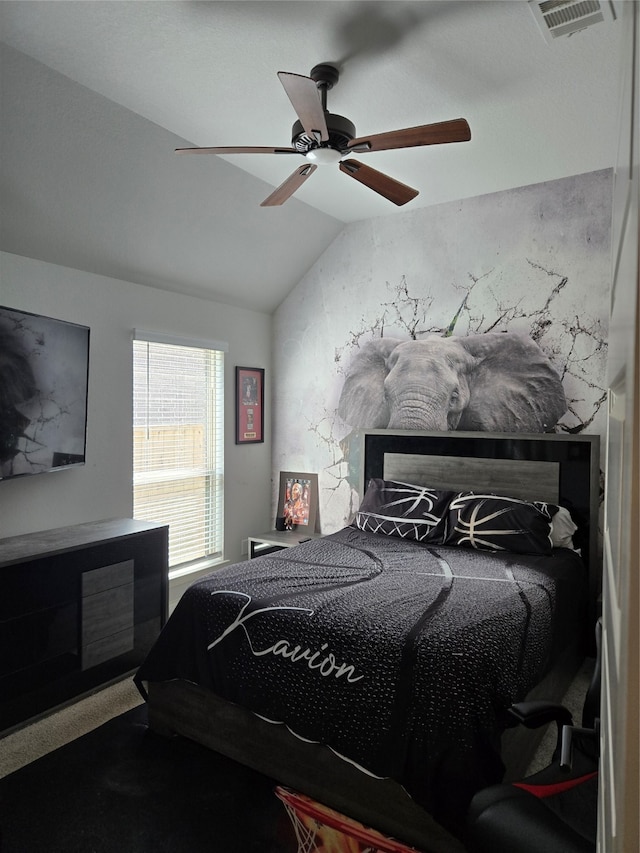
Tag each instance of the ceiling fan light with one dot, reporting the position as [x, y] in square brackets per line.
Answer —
[324, 156]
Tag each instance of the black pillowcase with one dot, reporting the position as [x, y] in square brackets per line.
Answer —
[492, 523]
[405, 510]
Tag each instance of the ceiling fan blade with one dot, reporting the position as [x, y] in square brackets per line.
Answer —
[287, 189]
[388, 187]
[243, 149]
[456, 130]
[305, 98]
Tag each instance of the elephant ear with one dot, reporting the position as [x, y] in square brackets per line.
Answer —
[363, 402]
[514, 387]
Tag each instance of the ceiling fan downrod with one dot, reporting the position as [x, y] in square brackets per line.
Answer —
[325, 77]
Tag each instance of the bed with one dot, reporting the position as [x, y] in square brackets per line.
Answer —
[371, 669]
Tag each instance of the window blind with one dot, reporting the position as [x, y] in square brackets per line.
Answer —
[178, 445]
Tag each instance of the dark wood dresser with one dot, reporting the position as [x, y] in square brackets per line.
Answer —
[79, 607]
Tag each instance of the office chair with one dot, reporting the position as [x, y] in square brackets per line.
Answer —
[555, 810]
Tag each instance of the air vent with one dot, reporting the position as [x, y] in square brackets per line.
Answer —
[558, 18]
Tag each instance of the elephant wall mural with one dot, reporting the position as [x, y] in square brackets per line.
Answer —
[498, 381]
[487, 314]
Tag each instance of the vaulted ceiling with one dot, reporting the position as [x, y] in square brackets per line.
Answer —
[97, 95]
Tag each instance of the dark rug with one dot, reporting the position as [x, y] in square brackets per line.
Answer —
[124, 789]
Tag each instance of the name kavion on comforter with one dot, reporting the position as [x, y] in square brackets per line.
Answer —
[326, 665]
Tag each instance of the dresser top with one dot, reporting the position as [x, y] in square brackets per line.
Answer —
[44, 543]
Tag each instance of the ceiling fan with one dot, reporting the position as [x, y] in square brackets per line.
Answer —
[325, 139]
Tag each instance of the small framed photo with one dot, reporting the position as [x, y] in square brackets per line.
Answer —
[249, 405]
[298, 501]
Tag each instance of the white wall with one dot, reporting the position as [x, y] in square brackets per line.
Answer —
[112, 309]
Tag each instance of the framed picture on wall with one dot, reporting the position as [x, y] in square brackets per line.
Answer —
[249, 405]
[297, 501]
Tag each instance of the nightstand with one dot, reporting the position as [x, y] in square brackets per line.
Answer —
[276, 540]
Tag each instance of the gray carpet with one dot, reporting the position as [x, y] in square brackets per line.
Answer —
[26, 744]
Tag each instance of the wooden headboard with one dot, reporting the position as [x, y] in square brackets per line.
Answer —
[543, 467]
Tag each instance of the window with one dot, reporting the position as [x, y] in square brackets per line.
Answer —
[178, 444]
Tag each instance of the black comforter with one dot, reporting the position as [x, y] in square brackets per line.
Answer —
[402, 658]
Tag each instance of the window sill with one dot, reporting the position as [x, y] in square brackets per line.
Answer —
[198, 567]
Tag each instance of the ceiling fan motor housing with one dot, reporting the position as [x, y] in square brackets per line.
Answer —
[341, 132]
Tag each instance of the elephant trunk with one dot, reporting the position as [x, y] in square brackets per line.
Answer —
[414, 415]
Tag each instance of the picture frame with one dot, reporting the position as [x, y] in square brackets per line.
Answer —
[249, 405]
[297, 501]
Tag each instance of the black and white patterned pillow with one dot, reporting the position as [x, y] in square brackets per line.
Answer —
[492, 523]
[404, 510]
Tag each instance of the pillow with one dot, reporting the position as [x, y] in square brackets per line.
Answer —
[562, 529]
[404, 510]
[492, 523]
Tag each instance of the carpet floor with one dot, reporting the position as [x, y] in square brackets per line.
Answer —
[123, 789]
[120, 788]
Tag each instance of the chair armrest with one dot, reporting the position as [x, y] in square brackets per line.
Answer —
[536, 714]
